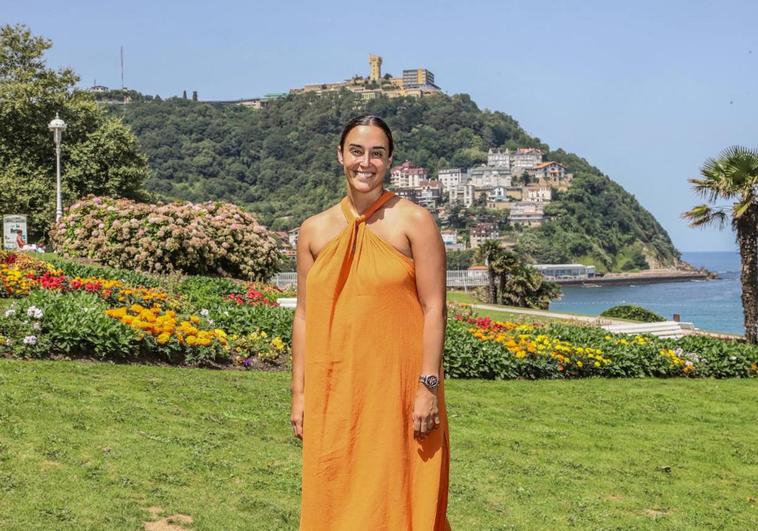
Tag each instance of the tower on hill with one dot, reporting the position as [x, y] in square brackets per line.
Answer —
[375, 68]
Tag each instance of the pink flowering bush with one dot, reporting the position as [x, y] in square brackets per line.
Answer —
[205, 239]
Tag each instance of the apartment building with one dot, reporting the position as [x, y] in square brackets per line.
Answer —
[407, 175]
[450, 178]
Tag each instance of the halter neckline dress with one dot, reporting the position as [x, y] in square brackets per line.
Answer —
[363, 469]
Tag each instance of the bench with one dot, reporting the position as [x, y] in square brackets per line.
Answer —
[672, 329]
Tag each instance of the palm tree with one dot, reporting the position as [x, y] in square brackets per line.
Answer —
[488, 251]
[733, 177]
[503, 264]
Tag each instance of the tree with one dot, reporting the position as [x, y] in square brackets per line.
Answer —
[734, 177]
[503, 264]
[98, 154]
[489, 251]
[279, 161]
[527, 288]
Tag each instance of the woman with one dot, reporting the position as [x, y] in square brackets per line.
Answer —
[367, 382]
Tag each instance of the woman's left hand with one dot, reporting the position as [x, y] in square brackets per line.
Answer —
[426, 415]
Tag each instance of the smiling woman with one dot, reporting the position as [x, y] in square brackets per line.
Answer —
[367, 392]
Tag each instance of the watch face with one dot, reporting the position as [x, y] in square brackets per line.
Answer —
[432, 381]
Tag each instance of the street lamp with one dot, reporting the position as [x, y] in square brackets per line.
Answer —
[57, 126]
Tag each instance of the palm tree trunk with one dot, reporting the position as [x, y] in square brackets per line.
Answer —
[492, 285]
[503, 278]
[747, 238]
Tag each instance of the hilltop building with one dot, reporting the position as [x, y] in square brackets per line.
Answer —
[375, 68]
[416, 82]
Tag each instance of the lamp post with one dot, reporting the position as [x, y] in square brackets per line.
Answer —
[57, 126]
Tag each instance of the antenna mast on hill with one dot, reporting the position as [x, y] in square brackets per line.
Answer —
[122, 68]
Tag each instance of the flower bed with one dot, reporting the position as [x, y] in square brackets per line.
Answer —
[107, 318]
[482, 348]
[73, 310]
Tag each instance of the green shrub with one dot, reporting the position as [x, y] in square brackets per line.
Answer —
[206, 291]
[632, 313]
[240, 319]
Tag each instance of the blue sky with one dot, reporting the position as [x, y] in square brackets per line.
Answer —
[644, 90]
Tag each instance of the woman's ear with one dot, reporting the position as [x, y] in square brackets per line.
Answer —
[339, 155]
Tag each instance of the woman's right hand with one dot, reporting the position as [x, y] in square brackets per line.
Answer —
[297, 414]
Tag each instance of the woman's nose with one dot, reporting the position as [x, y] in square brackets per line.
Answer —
[365, 159]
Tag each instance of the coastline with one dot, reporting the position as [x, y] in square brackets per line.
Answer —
[649, 276]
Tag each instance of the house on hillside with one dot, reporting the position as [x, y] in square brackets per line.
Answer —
[407, 175]
[482, 232]
[527, 213]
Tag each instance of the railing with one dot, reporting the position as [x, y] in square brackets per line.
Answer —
[464, 279]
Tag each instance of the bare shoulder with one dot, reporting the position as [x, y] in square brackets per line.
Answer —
[322, 220]
[414, 216]
[319, 228]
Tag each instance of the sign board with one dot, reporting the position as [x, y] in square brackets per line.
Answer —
[11, 224]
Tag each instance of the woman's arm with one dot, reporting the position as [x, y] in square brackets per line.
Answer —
[429, 257]
[304, 263]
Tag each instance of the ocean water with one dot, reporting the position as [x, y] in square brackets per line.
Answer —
[711, 305]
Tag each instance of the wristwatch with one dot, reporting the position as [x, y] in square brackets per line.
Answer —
[431, 381]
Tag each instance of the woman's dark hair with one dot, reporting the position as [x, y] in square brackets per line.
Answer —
[367, 119]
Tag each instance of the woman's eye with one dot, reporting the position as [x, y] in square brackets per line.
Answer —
[356, 152]
[377, 154]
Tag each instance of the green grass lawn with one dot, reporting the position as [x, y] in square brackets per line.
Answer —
[94, 446]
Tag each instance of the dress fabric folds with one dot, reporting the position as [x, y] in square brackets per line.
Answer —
[363, 469]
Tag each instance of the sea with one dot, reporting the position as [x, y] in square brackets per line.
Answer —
[712, 305]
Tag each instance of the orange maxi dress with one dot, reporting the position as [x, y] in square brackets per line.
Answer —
[363, 469]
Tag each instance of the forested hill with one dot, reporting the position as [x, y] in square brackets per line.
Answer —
[280, 162]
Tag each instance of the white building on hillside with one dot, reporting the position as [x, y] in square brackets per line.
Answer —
[497, 158]
[525, 159]
[451, 177]
[462, 194]
[486, 176]
[537, 193]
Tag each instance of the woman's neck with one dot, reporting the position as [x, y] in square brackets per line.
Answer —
[361, 201]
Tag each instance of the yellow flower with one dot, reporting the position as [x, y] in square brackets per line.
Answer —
[164, 338]
[277, 343]
[580, 364]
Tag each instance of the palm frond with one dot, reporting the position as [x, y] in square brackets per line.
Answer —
[702, 215]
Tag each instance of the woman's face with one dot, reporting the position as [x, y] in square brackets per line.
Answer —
[365, 157]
